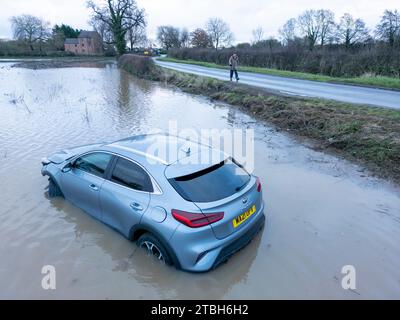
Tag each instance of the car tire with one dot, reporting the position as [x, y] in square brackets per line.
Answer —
[154, 247]
[54, 190]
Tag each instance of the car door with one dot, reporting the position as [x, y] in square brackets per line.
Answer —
[82, 184]
[125, 195]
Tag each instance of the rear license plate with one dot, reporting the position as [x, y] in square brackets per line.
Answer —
[244, 216]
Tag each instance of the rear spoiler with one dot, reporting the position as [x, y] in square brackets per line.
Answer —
[193, 164]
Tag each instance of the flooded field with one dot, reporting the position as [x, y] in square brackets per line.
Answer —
[322, 212]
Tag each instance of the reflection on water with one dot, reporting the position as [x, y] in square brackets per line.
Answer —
[322, 214]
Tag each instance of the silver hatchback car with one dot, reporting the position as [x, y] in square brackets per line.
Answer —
[187, 213]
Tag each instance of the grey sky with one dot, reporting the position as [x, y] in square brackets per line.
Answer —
[242, 15]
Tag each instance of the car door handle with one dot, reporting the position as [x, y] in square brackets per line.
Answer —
[136, 206]
[94, 187]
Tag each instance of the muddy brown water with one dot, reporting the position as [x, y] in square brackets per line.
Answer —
[323, 213]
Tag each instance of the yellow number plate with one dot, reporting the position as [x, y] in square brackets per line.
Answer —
[244, 216]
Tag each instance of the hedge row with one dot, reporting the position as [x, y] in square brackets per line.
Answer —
[336, 62]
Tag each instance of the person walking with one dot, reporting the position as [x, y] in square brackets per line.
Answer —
[233, 63]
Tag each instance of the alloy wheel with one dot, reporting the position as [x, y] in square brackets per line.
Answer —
[153, 250]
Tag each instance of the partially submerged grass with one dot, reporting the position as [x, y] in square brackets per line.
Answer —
[18, 100]
[62, 62]
[365, 134]
[366, 80]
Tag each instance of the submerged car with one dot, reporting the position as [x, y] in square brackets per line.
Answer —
[187, 213]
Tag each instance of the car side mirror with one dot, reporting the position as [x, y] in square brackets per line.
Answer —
[67, 168]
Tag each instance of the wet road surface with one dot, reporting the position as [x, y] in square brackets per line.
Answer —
[298, 87]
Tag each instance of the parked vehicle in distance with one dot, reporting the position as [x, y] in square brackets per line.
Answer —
[190, 215]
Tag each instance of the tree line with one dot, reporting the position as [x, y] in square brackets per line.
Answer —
[319, 27]
[314, 42]
[312, 28]
[215, 34]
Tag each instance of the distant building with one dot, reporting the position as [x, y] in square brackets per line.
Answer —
[88, 42]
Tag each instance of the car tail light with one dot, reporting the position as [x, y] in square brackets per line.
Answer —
[196, 220]
[258, 181]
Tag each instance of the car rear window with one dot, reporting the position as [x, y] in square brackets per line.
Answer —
[212, 184]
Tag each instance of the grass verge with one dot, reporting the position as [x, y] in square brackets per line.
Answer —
[364, 134]
[369, 81]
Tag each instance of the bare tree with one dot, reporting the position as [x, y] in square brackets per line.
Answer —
[30, 29]
[120, 16]
[350, 31]
[389, 27]
[136, 36]
[288, 31]
[326, 20]
[184, 38]
[200, 39]
[169, 37]
[103, 29]
[219, 32]
[258, 35]
[309, 23]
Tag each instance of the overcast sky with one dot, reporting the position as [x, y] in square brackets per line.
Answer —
[242, 15]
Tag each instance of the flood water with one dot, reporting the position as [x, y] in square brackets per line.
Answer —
[322, 212]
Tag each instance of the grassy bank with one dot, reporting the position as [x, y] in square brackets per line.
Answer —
[370, 81]
[363, 134]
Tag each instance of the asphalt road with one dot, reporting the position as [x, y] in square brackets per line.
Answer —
[297, 87]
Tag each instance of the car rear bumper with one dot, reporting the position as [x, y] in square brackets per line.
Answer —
[200, 251]
[239, 243]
